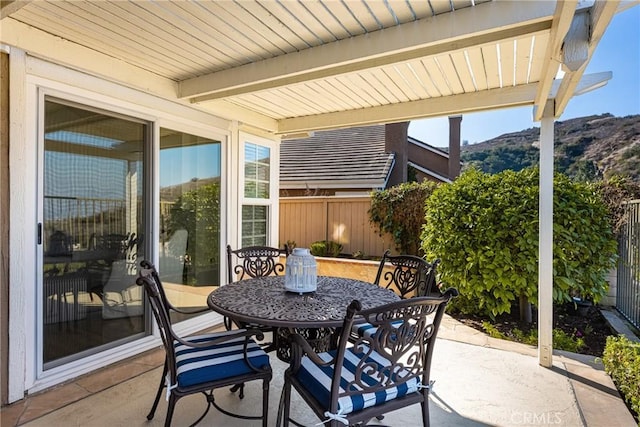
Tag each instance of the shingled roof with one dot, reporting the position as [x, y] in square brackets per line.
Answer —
[345, 158]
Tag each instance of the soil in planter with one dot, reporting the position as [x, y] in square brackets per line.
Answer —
[591, 327]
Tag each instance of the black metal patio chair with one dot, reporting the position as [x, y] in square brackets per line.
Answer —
[379, 373]
[255, 261]
[409, 276]
[203, 363]
[252, 262]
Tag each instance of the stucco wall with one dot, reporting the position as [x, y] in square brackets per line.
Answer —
[4, 223]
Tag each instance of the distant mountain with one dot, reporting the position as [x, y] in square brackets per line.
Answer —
[585, 148]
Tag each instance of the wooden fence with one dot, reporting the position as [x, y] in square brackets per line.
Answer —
[345, 220]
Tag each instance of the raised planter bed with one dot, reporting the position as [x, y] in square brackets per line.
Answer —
[351, 268]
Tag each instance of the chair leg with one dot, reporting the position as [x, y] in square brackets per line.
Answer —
[159, 393]
[425, 411]
[285, 400]
[265, 402]
[237, 387]
[228, 323]
[170, 408]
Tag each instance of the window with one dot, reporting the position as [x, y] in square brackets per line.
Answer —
[256, 171]
[254, 225]
[258, 190]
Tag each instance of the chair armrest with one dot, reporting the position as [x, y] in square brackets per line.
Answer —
[181, 311]
[299, 348]
[246, 333]
[450, 293]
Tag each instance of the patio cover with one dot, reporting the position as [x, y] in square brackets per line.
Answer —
[286, 68]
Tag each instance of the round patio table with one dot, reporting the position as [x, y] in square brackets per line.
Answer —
[315, 315]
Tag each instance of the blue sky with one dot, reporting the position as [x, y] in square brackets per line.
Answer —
[180, 165]
[618, 52]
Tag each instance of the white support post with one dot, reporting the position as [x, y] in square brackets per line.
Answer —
[131, 196]
[545, 243]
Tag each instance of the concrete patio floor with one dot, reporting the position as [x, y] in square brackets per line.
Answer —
[480, 381]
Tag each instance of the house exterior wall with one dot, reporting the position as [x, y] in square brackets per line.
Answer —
[396, 135]
[429, 159]
[4, 224]
[28, 79]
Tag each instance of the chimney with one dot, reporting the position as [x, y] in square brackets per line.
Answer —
[396, 141]
[454, 146]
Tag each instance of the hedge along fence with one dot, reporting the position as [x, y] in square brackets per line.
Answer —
[621, 360]
[344, 220]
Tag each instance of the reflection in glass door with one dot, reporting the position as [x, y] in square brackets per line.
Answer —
[92, 230]
[189, 244]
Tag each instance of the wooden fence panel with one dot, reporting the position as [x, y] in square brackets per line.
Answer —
[341, 219]
[302, 222]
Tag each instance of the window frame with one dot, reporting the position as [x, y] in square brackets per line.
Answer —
[272, 202]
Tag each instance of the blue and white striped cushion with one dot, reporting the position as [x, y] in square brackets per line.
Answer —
[367, 330]
[200, 365]
[317, 379]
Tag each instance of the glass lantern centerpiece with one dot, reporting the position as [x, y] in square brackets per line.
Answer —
[300, 274]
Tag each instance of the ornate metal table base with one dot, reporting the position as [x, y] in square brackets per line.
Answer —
[321, 339]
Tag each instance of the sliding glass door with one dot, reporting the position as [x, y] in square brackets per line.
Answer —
[92, 231]
[190, 217]
[96, 221]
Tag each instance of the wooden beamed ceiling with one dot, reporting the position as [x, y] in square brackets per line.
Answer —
[287, 68]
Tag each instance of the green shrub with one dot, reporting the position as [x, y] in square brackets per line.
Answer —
[614, 191]
[291, 244]
[198, 212]
[621, 360]
[399, 211]
[564, 341]
[326, 248]
[484, 228]
[530, 338]
[561, 340]
[492, 331]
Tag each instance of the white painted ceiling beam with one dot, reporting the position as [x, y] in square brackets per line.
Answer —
[473, 26]
[600, 16]
[230, 111]
[575, 49]
[9, 7]
[493, 99]
[455, 104]
[562, 19]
